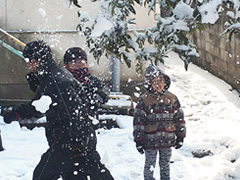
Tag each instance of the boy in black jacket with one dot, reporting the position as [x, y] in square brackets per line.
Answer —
[75, 61]
[72, 141]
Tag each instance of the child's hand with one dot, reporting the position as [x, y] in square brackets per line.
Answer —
[177, 146]
[10, 117]
[179, 142]
[139, 147]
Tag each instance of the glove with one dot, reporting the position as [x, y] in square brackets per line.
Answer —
[98, 99]
[32, 81]
[179, 142]
[11, 116]
[140, 147]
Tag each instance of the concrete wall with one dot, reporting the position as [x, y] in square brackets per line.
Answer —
[218, 55]
[55, 23]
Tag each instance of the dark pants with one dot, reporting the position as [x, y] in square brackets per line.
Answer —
[1, 146]
[70, 165]
[164, 163]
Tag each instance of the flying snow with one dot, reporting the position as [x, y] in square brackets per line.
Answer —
[42, 12]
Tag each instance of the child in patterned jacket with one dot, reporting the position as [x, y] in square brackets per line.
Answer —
[158, 123]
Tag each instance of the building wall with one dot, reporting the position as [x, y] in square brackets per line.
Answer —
[218, 55]
[55, 23]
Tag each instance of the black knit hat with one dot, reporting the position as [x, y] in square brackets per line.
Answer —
[73, 54]
[151, 73]
[37, 50]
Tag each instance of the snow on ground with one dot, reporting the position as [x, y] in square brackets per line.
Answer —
[212, 117]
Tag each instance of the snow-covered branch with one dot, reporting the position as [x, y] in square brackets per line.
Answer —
[175, 20]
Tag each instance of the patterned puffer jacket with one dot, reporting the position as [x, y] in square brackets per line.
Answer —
[158, 118]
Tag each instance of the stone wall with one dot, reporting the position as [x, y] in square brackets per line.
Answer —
[218, 55]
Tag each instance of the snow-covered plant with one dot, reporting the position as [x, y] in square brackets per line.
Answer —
[177, 18]
[113, 38]
[232, 8]
[170, 33]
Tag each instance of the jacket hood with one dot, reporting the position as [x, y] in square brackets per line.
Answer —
[150, 74]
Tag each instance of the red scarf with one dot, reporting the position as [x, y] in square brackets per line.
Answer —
[81, 74]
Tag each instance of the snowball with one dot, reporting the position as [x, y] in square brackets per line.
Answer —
[42, 104]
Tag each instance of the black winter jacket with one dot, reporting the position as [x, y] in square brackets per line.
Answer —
[97, 94]
[67, 119]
